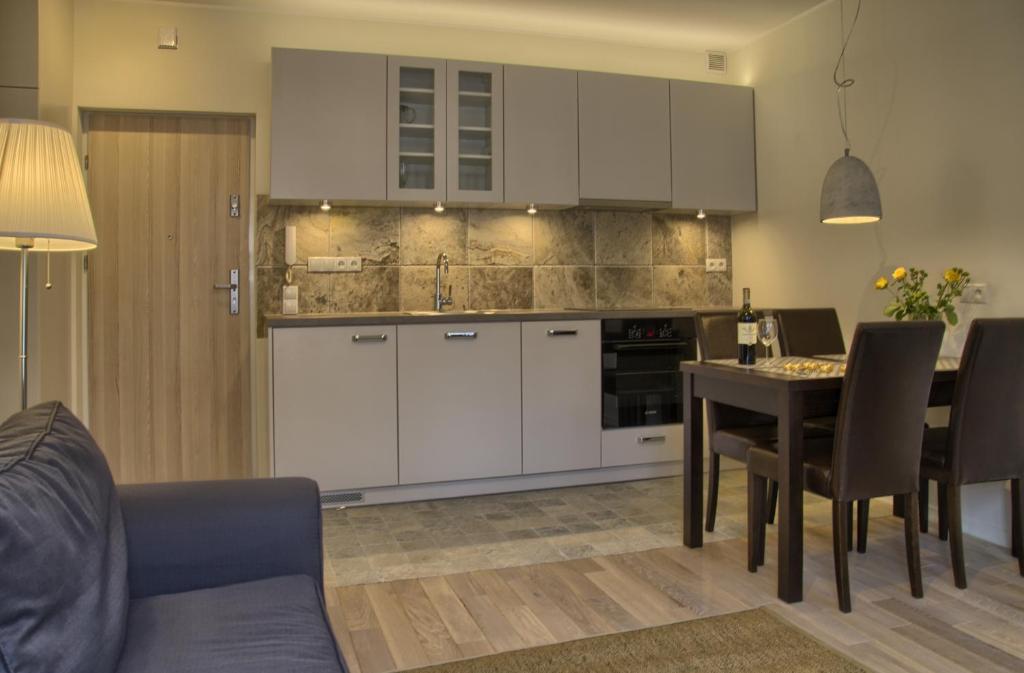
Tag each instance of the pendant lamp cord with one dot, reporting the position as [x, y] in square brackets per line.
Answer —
[847, 82]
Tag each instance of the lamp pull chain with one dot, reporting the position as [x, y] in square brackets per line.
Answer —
[847, 82]
[48, 285]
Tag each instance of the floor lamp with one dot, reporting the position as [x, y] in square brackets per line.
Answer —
[43, 205]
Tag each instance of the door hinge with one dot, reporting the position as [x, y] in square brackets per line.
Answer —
[85, 161]
[85, 263]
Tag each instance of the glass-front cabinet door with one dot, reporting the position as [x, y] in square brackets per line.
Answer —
[475, 143]
[416, 129]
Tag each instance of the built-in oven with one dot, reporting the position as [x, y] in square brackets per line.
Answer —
[640, 379]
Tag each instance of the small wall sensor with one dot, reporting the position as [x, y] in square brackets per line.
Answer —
[168, 38]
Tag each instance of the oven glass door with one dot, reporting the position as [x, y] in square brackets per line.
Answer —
[642, 384]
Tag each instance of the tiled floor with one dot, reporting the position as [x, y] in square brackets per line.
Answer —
[382, 543]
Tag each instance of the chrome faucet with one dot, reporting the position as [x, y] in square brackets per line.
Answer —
[440, 301]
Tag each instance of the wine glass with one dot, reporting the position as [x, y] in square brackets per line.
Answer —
[768, 332]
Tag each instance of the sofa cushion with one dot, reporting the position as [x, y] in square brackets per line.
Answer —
[63, 572]
[274, 625]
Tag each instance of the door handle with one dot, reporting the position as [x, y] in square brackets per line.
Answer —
[460, 335]
[562, 332]
[358, 338]
[650, 438]
[233, 287]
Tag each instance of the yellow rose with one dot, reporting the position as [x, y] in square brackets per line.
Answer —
[881, 283]
[899, 274]
[951, 275]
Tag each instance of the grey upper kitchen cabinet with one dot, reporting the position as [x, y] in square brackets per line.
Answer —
[624, 139]
[328, 136]
[541, 136]
[475, 160]
[713, 161]
[335, 405]
[416, 129]
[459, 397]
[561, 396]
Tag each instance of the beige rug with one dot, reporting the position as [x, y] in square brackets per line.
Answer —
[754, 640]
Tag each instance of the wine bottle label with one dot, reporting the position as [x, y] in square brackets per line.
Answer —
[746, 333]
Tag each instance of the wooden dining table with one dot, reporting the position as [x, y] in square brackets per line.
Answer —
[792, 389]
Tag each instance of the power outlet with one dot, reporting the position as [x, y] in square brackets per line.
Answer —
[335, 264]
[975, 293]
[716, 265]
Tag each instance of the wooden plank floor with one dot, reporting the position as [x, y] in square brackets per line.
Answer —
[401, 625]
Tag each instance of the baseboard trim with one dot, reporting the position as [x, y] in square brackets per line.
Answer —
[527, 482]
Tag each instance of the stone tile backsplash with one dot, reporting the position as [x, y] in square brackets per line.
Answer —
[499, 258]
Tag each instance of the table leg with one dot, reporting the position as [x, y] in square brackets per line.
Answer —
[693, 465]
[791, 497]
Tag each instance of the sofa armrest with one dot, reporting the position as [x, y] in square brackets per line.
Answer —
[197, 535]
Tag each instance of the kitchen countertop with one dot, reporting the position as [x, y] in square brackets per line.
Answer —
[499, 315]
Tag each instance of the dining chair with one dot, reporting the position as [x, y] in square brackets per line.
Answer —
[731, 430]
[984, 441]
[809, 331]
[876, 448]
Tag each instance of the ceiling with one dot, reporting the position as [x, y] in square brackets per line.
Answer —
[685, 25]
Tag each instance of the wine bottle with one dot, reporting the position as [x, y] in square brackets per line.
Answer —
[746, 331]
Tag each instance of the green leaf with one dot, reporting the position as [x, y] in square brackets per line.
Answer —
[951, 317]
[890, 310]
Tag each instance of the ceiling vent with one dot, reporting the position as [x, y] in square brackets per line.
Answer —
[716, 61]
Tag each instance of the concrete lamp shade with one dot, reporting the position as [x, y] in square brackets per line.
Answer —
[849, 194]
[43, 202]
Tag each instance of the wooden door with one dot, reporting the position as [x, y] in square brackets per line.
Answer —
[169, 395]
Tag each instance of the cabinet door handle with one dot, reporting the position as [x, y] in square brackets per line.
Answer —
[357, 338]
[650, 438]
[562, 332]
[460, 335]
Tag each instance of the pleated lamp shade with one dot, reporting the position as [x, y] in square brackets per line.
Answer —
[42, 194]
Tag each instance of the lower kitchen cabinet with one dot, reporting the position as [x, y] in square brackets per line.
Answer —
[647, 444]
[561, 396]
[460, 401]
[335, 405]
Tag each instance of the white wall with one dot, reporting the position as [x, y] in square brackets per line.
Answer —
[937, 112]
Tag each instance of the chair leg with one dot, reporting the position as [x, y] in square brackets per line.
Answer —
[863, 514]
[849, 526]
[898, 506]
[943, 511]
[840, 552]
[910, 529]
[1017, 525]
[755, 521]
[713, 474]
[1017, 519]
[922, 502]
[773, 500]
[956, 536]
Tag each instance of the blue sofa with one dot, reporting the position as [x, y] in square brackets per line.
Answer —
[201, 577]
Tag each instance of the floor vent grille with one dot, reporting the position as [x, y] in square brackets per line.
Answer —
[331, 500]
